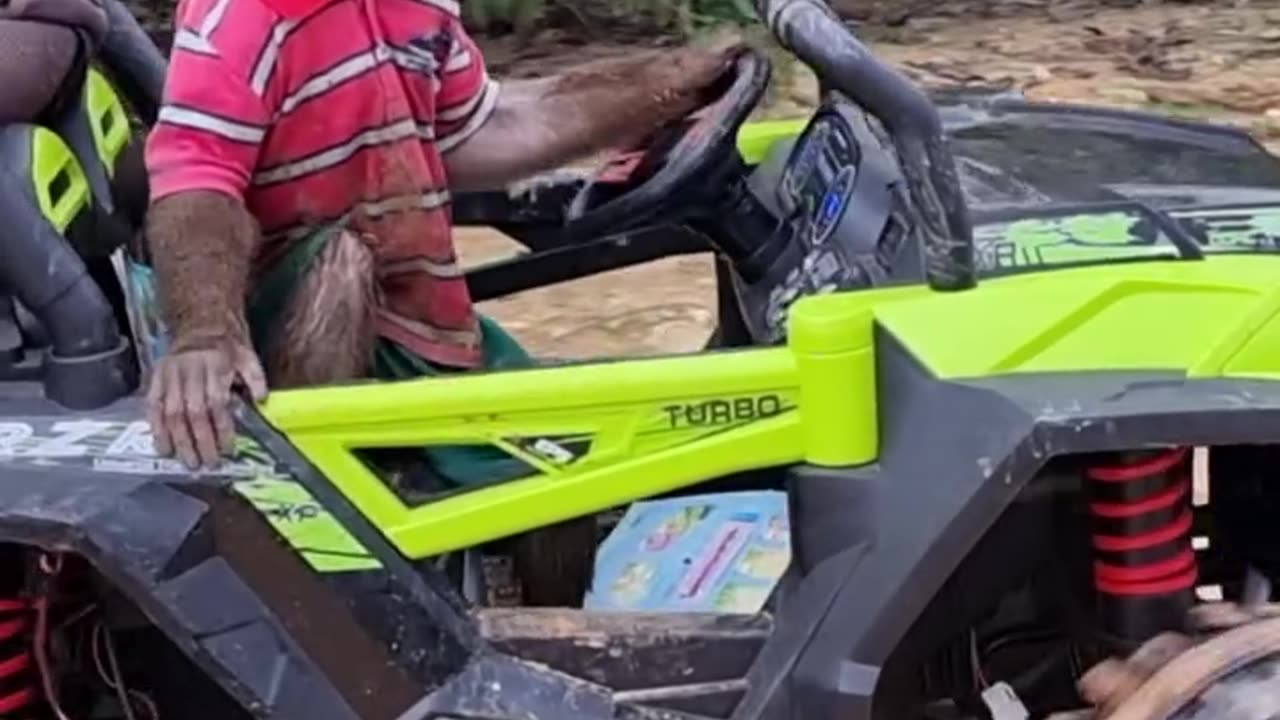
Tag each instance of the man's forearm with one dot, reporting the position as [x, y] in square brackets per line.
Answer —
[201, 244]
[545, 123]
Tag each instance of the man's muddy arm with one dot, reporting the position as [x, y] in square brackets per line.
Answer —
[201, 244]
[541, 124]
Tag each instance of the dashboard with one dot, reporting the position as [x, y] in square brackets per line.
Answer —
[835, 196]
[817, 181]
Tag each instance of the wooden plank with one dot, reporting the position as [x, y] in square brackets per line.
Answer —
[630, 651]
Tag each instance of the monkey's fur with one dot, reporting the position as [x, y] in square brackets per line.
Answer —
[609, 103]
[327, 332]
[203, 242]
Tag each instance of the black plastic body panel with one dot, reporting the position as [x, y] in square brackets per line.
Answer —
[209, 569]
[869, 577]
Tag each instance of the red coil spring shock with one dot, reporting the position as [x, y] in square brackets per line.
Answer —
[19, 686]
[1144, 568]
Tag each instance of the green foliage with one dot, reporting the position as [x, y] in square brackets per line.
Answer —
[688, 16]
[643, 20]
[519, 14]
[682, 17]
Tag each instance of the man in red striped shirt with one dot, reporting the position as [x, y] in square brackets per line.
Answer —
[301, 171]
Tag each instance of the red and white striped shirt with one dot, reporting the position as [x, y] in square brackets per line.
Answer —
[335, 111]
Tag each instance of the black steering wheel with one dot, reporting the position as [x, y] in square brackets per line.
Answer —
[681, 155]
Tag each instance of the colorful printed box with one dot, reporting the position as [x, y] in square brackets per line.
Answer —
[721, 553]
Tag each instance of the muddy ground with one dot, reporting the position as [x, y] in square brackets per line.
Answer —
[1220, 63]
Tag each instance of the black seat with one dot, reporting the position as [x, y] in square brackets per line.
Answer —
[10, 334]
[95, 126]
[72, 192]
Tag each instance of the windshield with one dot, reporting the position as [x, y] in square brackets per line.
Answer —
[1082, 160]
[1110, 189]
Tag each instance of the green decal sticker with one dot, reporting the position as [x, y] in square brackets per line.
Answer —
[250, 450]
[1234, 229]
[1037, 242]
[306, 525]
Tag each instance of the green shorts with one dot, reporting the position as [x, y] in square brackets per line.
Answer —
[459, 466]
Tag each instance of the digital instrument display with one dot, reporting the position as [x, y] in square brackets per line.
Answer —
[819, 177]
[815, 191]
[835, 195]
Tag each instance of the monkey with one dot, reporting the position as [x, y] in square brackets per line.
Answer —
[209, 249]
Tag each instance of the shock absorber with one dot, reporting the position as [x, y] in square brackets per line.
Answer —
[19, 687]
[1144, 568]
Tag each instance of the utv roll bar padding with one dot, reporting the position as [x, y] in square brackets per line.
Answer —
[133, 61]
[810, 30]
[87, 365]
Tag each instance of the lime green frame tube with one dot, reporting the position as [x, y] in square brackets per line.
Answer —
[817, 395]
